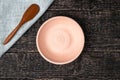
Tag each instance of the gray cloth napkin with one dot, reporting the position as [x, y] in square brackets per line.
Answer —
[11, 12]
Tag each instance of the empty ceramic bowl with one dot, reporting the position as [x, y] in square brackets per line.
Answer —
[60, 40]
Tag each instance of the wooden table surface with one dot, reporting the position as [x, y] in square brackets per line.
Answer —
[100, 59]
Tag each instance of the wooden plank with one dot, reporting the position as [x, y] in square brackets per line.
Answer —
[101, 28]
[32, 65]
[86, 5]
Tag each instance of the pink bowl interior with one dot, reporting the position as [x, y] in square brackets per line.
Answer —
[60, 40]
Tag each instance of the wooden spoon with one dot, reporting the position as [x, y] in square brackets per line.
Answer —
[29, 14]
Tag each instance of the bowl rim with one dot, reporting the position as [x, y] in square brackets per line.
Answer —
[38, 48]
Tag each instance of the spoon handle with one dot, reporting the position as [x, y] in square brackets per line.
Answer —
[10, 36]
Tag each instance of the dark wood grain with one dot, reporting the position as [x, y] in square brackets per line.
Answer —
[100, 59]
